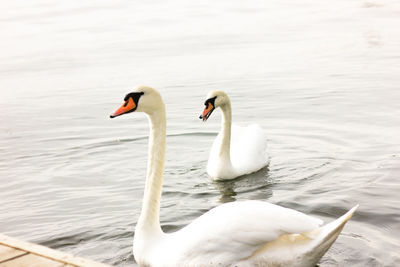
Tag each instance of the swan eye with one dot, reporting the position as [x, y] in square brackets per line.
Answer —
[210, 100]
[135, 96]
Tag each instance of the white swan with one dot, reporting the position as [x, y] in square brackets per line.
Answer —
[237, 150]
[247, 233]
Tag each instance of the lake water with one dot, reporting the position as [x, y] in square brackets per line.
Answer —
[322, 78]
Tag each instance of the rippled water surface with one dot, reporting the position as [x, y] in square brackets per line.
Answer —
[322, 78]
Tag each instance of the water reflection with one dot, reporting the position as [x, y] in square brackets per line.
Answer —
[258, 182]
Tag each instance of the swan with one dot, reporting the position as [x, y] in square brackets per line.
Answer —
[237, 150]
[242, 233]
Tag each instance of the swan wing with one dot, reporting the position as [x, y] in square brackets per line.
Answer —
[233, 231]
[248, 148]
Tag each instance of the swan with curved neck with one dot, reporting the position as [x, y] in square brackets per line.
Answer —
[237, 150]
[242, 233]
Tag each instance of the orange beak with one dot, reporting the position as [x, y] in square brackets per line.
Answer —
[207, 112]
[127, 107]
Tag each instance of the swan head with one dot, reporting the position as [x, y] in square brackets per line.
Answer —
[142, 99]
[214, 100]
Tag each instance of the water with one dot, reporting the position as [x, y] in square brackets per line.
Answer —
[321, 78]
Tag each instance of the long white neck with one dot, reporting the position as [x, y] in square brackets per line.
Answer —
[225, 146]
[149, 217]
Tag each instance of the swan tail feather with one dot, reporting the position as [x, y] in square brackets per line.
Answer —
[300, 250]
[326, 235]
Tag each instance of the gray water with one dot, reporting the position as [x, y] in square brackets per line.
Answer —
[322, 78]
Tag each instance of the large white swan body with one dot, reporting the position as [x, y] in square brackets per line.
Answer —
[237, 150]
[247, 233]
[248, 153]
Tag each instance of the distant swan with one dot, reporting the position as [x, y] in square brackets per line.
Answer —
[246, 233]
[237, 150]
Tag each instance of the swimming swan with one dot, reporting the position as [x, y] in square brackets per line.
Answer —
[242, 233]
[243, 152]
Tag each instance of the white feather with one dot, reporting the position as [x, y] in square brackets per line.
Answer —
[248, 153]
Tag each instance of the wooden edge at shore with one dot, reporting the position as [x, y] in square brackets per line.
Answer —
[45, 252]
